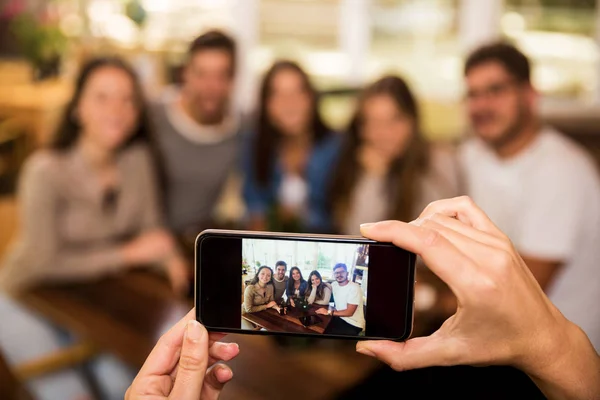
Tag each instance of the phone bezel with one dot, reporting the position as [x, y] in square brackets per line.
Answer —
[310, 237]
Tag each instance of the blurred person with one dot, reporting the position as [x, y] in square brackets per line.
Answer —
[296, 287]
[258, 295]
[280, 281]
[88, 209]
[537, 185]
[199, 133]
[289, 157]
[387, 169]
[348, 315]
[320, 292]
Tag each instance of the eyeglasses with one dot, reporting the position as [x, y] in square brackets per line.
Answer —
[492, 91]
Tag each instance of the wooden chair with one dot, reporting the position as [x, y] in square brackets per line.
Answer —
[10, 387]
[14, 148]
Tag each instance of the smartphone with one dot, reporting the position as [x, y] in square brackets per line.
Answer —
[330, 286]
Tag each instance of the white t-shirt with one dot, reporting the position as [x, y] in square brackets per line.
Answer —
[349, 294]
[547, 200]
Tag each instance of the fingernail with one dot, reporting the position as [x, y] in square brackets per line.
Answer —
[365, 351]
[366, 225]
[194, 330]
[237, 346]
[226, 373]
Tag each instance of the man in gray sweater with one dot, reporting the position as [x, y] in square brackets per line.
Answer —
[198, 134]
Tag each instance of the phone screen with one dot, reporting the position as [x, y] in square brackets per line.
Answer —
[333, 286]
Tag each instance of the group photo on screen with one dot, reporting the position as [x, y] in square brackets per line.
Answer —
[304, 287]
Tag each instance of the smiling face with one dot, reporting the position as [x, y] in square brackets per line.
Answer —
[208, 83]
[280, 272]
[296, 275]
[264, 276]
[314, 280]
[385, 127]
[498, 105]
[108, 109]
[340, 275]
[289, 104]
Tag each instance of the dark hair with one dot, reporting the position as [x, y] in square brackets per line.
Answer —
[512, 59]
[278, 263]
[290, 285]
[254, 280]
[214, 40]
[321, 286]
[69, 128]
[268, 136]
[340, 265]
[405, 170]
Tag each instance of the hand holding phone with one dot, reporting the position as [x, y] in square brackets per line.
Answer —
[379, 305]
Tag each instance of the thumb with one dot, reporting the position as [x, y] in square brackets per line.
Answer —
[415, 353]
[192, 363]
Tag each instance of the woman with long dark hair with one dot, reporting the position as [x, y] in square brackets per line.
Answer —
[387, 169]
[297, 286]
[89, 204]
[258, 295]
[290, 156]
[89, 208]
[320, 292]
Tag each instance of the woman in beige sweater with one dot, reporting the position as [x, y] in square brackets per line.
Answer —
[89, 205]
[258, 295]
[88, 208]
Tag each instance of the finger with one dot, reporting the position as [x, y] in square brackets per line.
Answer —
[216, 378]
[481, 253]
[165, 354]
[468, 231]
[415, 353]
[445, 260]
[193, 363]
[222, 352]
[465, 210]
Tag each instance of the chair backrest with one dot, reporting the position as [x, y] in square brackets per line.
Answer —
[14, 148]
[10, 387]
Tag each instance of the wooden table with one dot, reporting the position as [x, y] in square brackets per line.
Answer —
[271, 320]
[126, 316]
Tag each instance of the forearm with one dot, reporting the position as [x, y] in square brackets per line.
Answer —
[253, 308]
[313, 295]
[69, 265]
[343, 313]
[571, 371]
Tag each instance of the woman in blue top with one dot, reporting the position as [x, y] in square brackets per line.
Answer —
[289, 158]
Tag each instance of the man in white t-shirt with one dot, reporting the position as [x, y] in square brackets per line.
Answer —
[348, 315]
[538, 186]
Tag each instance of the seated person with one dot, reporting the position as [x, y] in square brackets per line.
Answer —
[289, 158]
[280, 281]
[258, 295]
[348, 316]
[88, 209]
[320, 292]
[296, 287]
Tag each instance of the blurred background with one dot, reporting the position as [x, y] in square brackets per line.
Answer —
[341, 44]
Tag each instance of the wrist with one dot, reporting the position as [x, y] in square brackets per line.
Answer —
[565, 364]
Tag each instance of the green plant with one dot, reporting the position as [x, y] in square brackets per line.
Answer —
[40, 39]
[323, 262]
